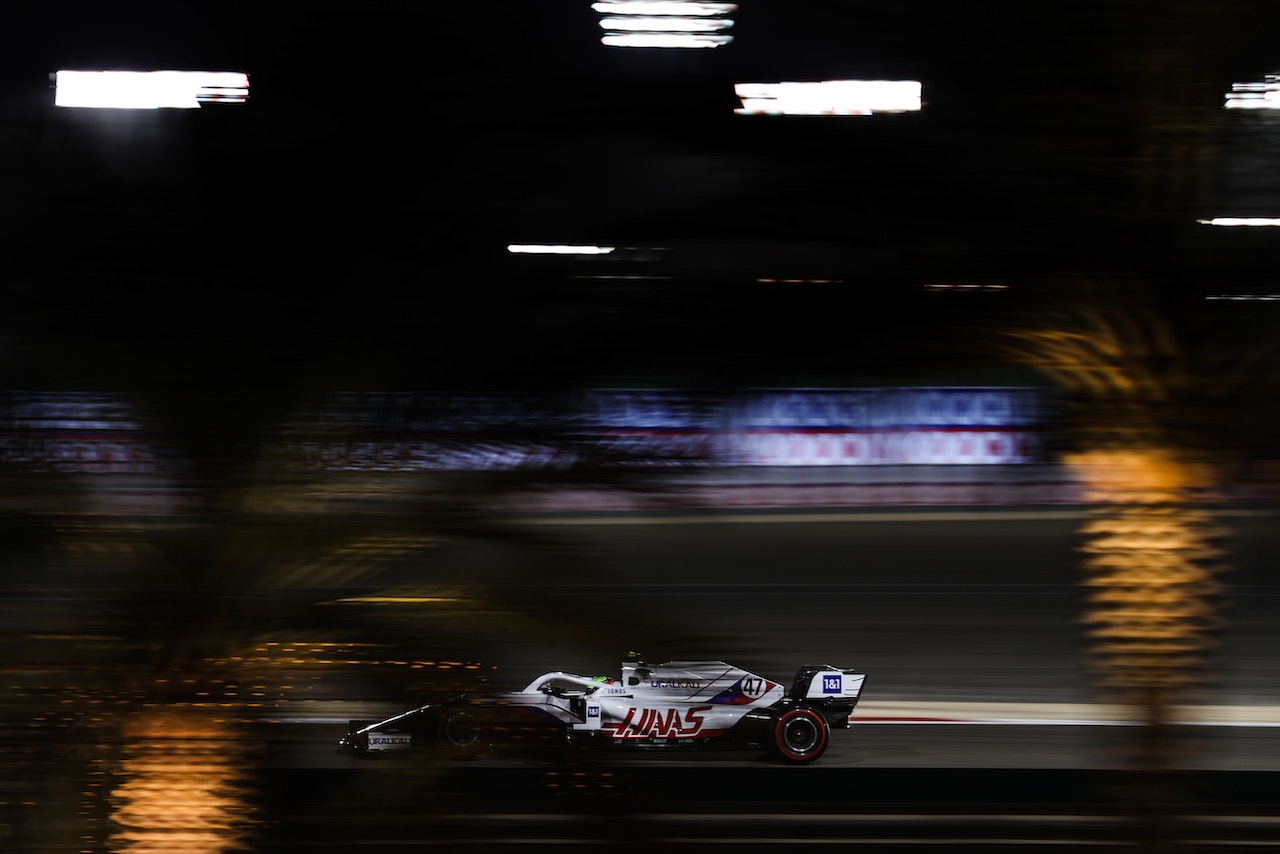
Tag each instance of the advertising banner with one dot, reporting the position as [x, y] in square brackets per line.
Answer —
[885, 426]
[679, 428]
[78, 433]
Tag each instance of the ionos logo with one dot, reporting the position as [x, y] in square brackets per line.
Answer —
[831, 684]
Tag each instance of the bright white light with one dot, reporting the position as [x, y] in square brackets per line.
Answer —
[828, 98]
[666, 25]
[1255, 96]
[664, 40]
[663, 23]
[149, 90]
[1260, 297]
[1239, 220]
[557, 249]
[663, 7]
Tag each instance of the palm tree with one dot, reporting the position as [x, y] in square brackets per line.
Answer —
[1151, 550]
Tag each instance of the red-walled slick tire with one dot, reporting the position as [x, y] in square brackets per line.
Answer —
[799, 735]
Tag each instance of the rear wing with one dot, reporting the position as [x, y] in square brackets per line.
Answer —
[824, 682]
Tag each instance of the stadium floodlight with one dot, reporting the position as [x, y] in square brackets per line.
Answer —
[1241, 220]
[1255, 96]
[664, 40]
[149, 90]
[664, 23]
[828, 98]
[663, 7]
[556, 249]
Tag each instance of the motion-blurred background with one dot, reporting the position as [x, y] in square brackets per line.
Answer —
[476, 343]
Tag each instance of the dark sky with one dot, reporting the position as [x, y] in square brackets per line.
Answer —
[353, 216]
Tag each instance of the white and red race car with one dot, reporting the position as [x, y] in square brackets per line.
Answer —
[678, 704]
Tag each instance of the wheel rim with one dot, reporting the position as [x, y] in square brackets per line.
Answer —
[801, 735]
[461, 730]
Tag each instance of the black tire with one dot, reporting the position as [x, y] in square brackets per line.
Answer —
[462, 733]
[799, 735]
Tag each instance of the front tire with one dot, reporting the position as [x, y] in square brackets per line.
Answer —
[462, 732]
[799, 735]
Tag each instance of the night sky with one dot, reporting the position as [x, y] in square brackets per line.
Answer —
[350, 221]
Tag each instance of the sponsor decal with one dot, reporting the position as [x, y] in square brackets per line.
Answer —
[593, 711]
[663, 723]
[676, 684]
[381, 741]
[831, 684]
[748, 689]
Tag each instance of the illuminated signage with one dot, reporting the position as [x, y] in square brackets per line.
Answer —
[828, 98]
[149, 90]
[882, 447]
[82, 433]
[893, 408]
[888, 426]
[675, 428]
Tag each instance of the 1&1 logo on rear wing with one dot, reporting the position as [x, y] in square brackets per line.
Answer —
[819, 682]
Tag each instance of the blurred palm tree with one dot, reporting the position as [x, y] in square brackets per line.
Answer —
[1146, 411]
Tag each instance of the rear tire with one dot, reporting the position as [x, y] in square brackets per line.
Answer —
[799, 735]
[462, 732]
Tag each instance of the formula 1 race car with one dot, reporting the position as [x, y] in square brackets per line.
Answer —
[677, 704]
